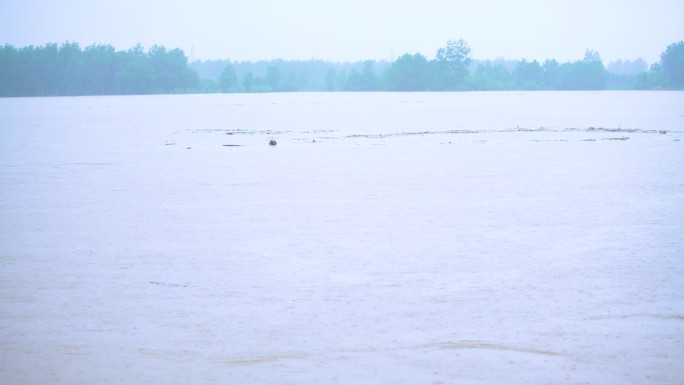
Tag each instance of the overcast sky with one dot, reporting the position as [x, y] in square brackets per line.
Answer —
[351, 30]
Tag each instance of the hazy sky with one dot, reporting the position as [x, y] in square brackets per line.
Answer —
[351, 30]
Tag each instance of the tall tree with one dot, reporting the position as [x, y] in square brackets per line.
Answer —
[593, 73]
[586, 74]
[672, 64]
[454, 63]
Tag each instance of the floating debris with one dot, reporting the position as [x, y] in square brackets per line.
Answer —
[524, 129]
[167, 284]
[272, 142]
[627, 130]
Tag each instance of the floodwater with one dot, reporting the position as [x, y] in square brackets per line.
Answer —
[394, 238]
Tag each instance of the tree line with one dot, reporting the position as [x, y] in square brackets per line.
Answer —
[277, 75]
[99, 69]
[95, 70]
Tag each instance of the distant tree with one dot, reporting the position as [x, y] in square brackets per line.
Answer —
[628, 67]
[228, 80]
[209, 69]
[273, 77]
[586, 74]
[409, 73]
[330, 80]
[490, 76]
[672, 64]
[248, 82]
[99, 69]
[67, 78]
[8, 70]
[169, 70]
[293, 81]
[43, 70]
[355, 82]
[594, 73]
[454, 63]
[67, 69]
[528, 75]
[363, 81]
[652, 79]
[295, 75]
[134, 75]
[622, 74]
[335, 80]
[552, 78]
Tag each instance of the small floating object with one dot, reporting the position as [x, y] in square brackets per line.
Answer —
[167, 284]
[231, 145]
[188, 148]
[169, 143]
[272, 142]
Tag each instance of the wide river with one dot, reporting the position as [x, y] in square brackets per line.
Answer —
[388, 238]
